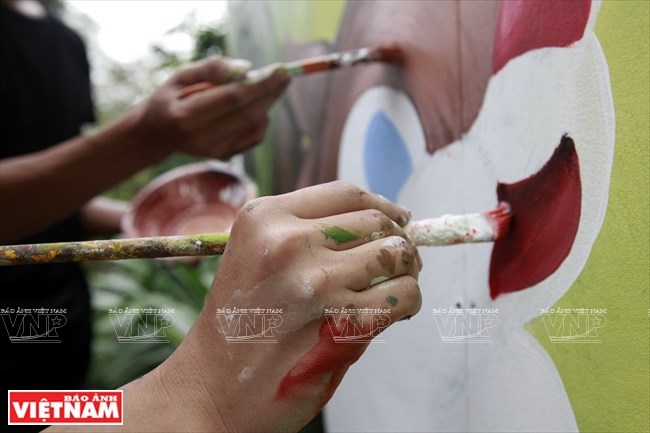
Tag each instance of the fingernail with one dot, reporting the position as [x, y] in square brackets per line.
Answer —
[238, 67]
[404, 219]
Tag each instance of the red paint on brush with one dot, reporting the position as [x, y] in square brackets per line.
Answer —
[388, 52]
[317, 65]
[546, 214]
[323, 367]
[525, 25]
[499, 219]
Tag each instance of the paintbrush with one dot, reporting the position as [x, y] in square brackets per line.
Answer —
[445, 230]
[461, 229]
[386, 52]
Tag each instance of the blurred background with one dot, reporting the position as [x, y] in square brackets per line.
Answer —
[133, 46]
[129, 56]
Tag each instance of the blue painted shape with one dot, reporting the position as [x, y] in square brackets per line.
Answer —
[385, 157]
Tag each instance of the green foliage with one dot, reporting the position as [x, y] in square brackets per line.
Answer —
[142, 284]
[260, 162]
[57, 5]
[151, 283]
[167, 59]
[209, 42]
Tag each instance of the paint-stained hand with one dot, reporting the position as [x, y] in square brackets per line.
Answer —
[218, 121]
[314, 274]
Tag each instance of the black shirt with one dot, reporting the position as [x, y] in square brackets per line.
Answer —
[46, 98]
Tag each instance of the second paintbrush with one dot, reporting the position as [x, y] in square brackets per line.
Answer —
[388, 53]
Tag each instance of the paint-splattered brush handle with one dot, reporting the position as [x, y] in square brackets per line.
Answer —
[114, 249]
[389, 53]
[445, 230]
[461, 229]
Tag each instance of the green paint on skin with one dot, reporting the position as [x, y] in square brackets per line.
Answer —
[337, 234]
[392, 300]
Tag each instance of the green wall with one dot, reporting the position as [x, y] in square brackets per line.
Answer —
[608, 383]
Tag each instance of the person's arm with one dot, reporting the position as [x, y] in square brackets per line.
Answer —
[39, 189]
[297, 260]
[103, 216]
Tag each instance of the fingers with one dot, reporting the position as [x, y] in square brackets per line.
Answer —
[215, 69]
[238, 131]
[400, 295]
[343, 232]
[258, 108]
[337, 198]
[369, 312]
[230, 118]
[241, 121]
[230, 98]
[375, 262]
[241, 142]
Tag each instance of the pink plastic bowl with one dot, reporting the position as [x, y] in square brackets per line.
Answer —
[196, 198]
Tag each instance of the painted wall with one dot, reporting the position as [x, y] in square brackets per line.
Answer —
[595, 88]
[608, 383]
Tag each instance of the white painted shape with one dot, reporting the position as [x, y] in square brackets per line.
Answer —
[414, 382]
[398, 108]
[374, 388]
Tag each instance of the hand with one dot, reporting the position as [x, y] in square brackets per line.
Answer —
[297, 258]
[217, 122]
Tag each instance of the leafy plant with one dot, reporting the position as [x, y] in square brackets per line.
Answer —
[142, 284]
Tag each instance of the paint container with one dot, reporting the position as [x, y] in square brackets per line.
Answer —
[196, 198]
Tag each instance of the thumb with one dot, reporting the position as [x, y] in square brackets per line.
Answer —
[214, 69]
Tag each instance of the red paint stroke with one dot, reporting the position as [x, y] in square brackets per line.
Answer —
[324, 365]
[546, 213]
[525, 25]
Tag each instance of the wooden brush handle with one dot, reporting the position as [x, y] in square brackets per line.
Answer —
[114, 249]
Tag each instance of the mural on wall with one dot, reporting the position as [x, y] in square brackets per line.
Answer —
[541, 136]
[497, 100]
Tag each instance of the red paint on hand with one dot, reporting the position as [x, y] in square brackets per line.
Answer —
[322, 368]
[546, 214]
[525, 25]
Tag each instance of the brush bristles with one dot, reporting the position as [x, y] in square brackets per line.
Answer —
[389, 52]
[499, 219]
